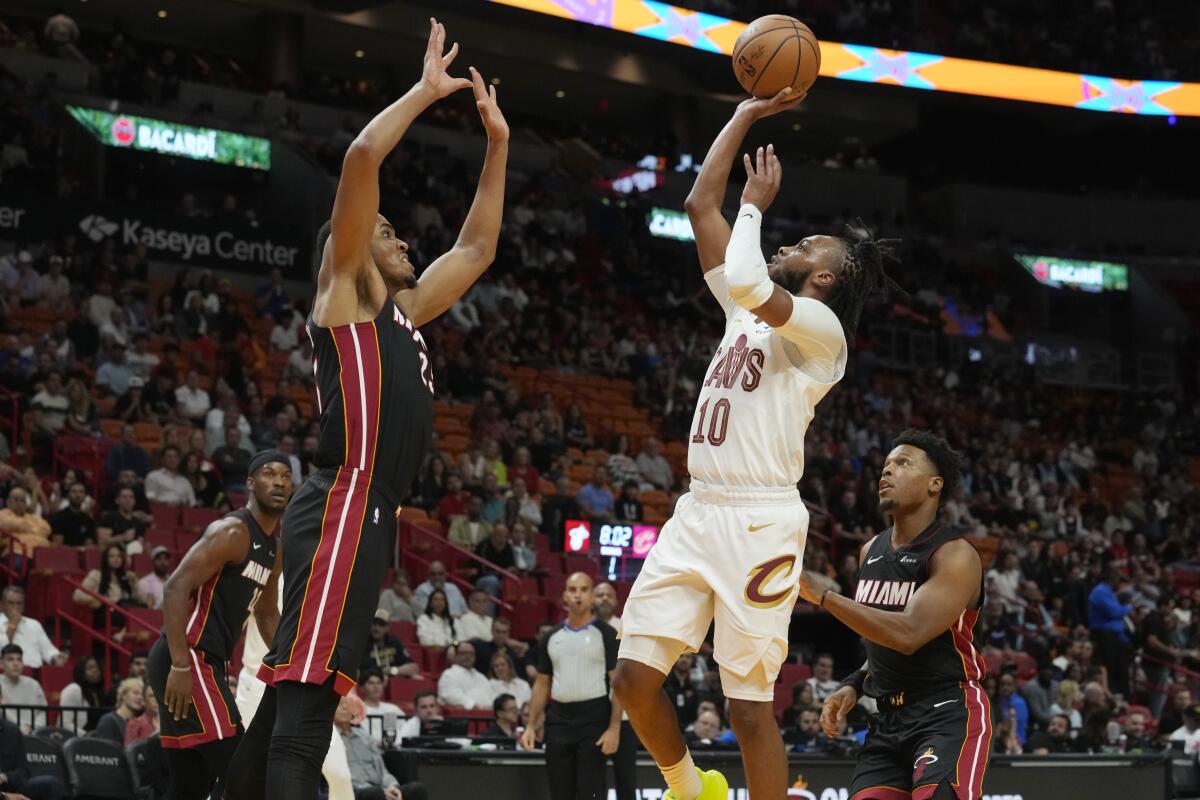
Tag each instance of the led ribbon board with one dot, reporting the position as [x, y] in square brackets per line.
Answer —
[669, 224]
[170, 138]
[894, 67]
[1070, 273]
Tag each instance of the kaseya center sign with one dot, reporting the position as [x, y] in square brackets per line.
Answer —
[174, 139]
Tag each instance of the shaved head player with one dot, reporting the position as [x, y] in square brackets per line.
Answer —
[375, 393]
[731, 552]
[919, 591]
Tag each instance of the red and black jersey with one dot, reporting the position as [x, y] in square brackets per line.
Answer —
[225, 600]
[887, 580]
[375, 394]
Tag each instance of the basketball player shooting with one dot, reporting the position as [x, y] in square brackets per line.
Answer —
[919, 591]
[733, 548]
[375, 394]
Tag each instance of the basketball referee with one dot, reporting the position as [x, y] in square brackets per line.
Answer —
[583, 725]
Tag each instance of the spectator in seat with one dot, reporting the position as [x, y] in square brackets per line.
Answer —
[134, 406]
[55, 288]
[595, 498]
[142, 727]
[428, 712]
[1054, 740]
[385, 653]
[497, 550]
[72, 526]
[29, 530]
[1189, 731]
[398, 598]
[370, 776]
[1107, 622]
[806, 737]
[140, 360]
[559, 508]
[167, 484]
[494, 506]
[524, 556]
[502, 642]
[21, 690]
[506, 718]
[272, 297]
[131, 702]
[437, 580]
[522, 506]
[435, 626]
[370, 691]
[503, 678]
[802, 698]
[114, 374]
[454, 503]
[628, 506]
[127, 455]
[151, 585]
[461, 684]
[822, 682]
[468, 531]
[620, 465]
[476, 623]
[26, 632]
[653, 467]
[123, 525]
[432, 484]
[1039, 696]
[114, 582]
[1010, 705]
[1135, 733]
[86, 690]
[706, 729]
[15, 781]
[522, 468]
[1172, 717]
[575, 430]
[233, 460]
[604, 605]
[192, 399]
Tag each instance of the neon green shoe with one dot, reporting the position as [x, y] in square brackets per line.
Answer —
[715, 787]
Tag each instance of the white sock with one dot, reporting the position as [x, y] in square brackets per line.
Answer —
[682, 778]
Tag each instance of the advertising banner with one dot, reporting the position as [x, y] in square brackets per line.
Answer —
[167, 237]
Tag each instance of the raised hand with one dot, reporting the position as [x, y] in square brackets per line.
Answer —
[485, 100]
[763, 177]
[437, 61]
[766, 106]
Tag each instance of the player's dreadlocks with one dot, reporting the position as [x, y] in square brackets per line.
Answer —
[862, 275]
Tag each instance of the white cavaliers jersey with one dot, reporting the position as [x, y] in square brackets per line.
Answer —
[756, 401]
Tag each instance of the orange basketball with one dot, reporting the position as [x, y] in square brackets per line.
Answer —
[774, 52]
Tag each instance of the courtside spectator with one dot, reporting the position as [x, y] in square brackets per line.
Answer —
[16, 520]
[127, 454]
[167, 484]
[461, 684]
[385, 653]
[151, 584]
[1009, 704]
[26, 632]
[371, 779]
[20, 690]
[85, 691]
[476, 623]
[437, 580]
[503, 678]
[604, 605]
[706, 729]
[1172, 719]
[124, 524]
[398, 598]
[427, 714]
[506, 716]
[15, 781]
[130, 703]
[806, 736]
[435, 626]
[502, 642]
[72, 526]
[370, 691]
[653, 467]
[146, 724]
[1189, 731]
[1055, 739]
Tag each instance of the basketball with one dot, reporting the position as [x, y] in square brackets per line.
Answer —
[774, 52]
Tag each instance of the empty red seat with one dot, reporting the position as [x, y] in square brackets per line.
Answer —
[56, 559]
[794, 673]
[403, 690]
[54, 679]
[197, 519]
[165, 516]
[161, 537]
[404, 631]
[553, 586]
[91, 558]
[434, 659]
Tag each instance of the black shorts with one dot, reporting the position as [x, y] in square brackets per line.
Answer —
[213, 715]
[338, 533]
[941, 739]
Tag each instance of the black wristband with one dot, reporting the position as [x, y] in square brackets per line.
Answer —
[822, 603]
[855, 680]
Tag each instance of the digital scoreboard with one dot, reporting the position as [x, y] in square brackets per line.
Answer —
[616, 544]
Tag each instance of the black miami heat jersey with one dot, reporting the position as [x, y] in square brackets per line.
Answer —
[225, 600]
[887, 580]
[375, 396]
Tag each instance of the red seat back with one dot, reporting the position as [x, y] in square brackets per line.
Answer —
[57, 559]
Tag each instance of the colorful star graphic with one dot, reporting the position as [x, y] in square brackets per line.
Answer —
[901, 67]
[1106, 94]
[679, 23]
[593, 12]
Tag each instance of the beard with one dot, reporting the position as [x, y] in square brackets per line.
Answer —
[792, 280]
[886, 505]
[411, 281]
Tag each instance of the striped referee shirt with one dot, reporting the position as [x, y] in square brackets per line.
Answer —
[578, 661]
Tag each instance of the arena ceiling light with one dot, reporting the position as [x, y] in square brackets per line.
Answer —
[715, 34]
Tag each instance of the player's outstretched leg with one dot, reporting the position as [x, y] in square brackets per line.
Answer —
[639, 689]
[763, 752]
[303, 719]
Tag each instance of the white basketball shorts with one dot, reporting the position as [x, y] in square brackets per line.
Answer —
[733, 554]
